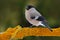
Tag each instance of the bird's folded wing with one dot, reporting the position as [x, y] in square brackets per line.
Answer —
[38, 18]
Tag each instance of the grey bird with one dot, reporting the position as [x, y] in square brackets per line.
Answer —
[35, 18]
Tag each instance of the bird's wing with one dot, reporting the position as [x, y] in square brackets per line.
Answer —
[34, 14]
[38, 18]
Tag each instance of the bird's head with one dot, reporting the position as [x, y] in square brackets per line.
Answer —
[29, 7]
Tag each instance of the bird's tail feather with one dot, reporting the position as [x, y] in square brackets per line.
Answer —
[44, 24]
[49, 28]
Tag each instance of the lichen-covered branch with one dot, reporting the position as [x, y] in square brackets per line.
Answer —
[19, 32]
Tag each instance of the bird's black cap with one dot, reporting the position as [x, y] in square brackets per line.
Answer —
[29, 7]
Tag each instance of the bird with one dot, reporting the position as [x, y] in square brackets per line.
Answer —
[35, 18]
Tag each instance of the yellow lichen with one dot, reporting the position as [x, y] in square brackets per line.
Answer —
[19, 32]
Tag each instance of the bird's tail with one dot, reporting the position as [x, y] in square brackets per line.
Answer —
[44, 24]
[49, 28]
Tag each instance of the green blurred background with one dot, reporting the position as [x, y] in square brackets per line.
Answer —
[12, 12]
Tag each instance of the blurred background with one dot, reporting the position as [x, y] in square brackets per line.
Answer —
[12, 13]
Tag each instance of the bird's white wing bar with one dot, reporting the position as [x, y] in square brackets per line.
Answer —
[40, 23]
[36, 17]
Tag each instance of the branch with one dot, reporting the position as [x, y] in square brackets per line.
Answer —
[19, 32]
